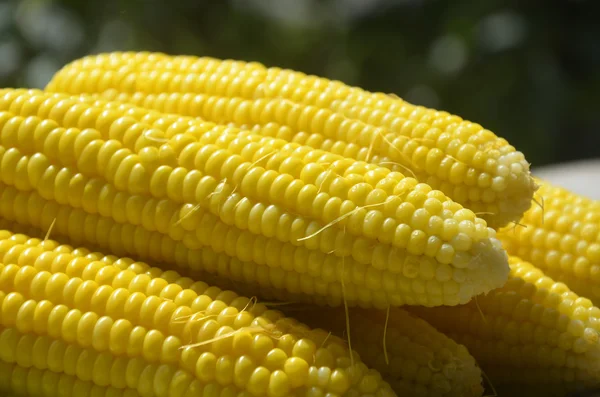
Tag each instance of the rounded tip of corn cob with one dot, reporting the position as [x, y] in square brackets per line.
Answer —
[520, 186]
[560, 234]
[454, 371]
[415, 358]
[486, 174]
[532, 331]
[489, 269]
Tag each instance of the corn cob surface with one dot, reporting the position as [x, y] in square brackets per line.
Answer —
[417, 360]
[420, 360]
[135, 189]
[531, 335]
[460, 158]
[121, 324]
[18, 381]
[562, 237]
[285, 186]
[446, 368]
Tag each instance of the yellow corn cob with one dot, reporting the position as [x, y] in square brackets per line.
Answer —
[562, 237]
[418, 360]
[135, 189]
[451, 370]
[421, 361]
[533, 334]
[111, 321]
[468, 163]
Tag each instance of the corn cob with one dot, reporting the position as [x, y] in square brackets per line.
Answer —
[107, 320]
[448, 370]
[468, 163]
[533, 334]
[98, 173]
[418, 360]
[561, 237]
[421, 361]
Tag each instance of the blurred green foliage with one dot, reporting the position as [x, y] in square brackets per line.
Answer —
[527, 70]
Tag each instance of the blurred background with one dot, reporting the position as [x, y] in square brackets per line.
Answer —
[527, 70]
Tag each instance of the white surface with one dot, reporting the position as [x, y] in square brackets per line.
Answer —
[581, 177]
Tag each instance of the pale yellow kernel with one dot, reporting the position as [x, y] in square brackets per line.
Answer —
[435, 225]
[206, 367]
[279, 384]
[462, 241]
[450, 229]
[376, 196]
[499, 184]
[225, 370]
[416, 198]
[373, 223]
[258, 383]
[443, 272]
[304, 349]
[593, 252]
[368, 384]
[445, 254]
[411, 267]
[434, 244]
[404, 212]
[576, 328]
[323, 374]
[359, 192]
[451, 287]
[339, 382]
[297, 371]
[463, 260]
[427, 268]
[433, 206]
[417, 242]
[420, 219]
[467, 228]
[464, 215]
[460, 276]
[402, 235]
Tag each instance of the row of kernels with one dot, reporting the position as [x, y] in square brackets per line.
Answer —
[120, 272]
[34, 381]
[104, 369]
[124, 176]
[110, 194]
[115, 59]
[460, 153]
[207, 335]
[124, 242]
[370, 181]
[462, 139]
[175, 96]
[563, 253]
[88, 329]
[418, 356]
